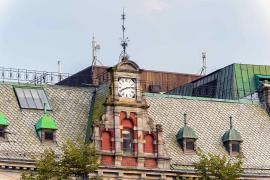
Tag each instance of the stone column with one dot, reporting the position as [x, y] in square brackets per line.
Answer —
[96, 138]
[160, 148]
[140, 140]
[117, 140]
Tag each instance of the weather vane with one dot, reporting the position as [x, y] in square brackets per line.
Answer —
[124, 40]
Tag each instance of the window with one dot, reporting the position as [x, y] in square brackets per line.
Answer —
[2, 132]
[127, 141]
[190, 144]
[48, 135]
[32, 98]
[235, 147]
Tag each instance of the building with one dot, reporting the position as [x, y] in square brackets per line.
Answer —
[236, 81]
[151, 81]
[138, 135]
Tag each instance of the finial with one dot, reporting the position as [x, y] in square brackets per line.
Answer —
[231, 125]
[45, 108]
[124, 41]
[203, 70]
[185, 119]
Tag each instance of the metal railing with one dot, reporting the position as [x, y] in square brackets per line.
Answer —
[30, 76]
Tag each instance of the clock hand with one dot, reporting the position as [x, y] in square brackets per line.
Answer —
[125, 88]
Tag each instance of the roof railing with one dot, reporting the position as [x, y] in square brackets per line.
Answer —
[31, 76]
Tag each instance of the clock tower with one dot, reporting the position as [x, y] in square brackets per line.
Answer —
[123, 133]
[126, 88]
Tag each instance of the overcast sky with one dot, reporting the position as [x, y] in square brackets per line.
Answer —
[164, 34]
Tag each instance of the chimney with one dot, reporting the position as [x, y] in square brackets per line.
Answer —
[264, 94]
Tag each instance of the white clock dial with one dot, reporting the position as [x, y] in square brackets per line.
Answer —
[126, 88]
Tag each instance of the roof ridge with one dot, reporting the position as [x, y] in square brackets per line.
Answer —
[240, 101]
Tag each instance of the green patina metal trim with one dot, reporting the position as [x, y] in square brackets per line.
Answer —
[232, 135]
[235, 81]
[241, 101]
[258, 77]
[3, 120]
[186, 132]
[46, 122]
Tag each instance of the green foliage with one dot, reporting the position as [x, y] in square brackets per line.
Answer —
[47, 166]
[28, 175]
[79, 159]
[212, 166]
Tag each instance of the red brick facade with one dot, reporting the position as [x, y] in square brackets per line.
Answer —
[150, 163]
[129, 161]
[149, 146]
[107, 160]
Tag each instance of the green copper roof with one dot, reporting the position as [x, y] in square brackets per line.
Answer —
[235, 81]
[186, 132]
[232, 135]
[3, 120]
[46, 122]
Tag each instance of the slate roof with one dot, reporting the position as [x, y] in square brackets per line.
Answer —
[70, 109]
[209, 118]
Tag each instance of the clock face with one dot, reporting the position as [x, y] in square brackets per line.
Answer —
[126, 87]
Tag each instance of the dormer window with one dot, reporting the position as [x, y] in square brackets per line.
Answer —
[3, 126]
[235, 147]
[2, 132]
[186, 138]
[232, 141]
[49, 135]
[190, 144]
[46, 128]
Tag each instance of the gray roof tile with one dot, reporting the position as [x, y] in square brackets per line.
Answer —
[70, 108]
[210, 120]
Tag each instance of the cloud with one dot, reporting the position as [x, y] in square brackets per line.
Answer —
[155, 6]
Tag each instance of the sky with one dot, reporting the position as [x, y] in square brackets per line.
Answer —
[167, 35]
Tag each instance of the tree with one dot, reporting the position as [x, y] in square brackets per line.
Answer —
[79, 159]
[212, 166]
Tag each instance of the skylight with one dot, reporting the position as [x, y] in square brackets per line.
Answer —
[31, 98]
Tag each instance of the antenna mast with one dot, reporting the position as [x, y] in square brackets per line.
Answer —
[95, 47]
[124, 40]
[59, 71]
[203, 71]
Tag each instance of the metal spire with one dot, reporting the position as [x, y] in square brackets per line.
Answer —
[231, 125]
[203, 70]
[124, 40]
[185, 119]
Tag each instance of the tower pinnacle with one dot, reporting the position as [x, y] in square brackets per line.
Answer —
[124, 40]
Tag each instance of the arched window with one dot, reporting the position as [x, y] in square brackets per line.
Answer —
[127, 141]
[149, 146]
[106, 141]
